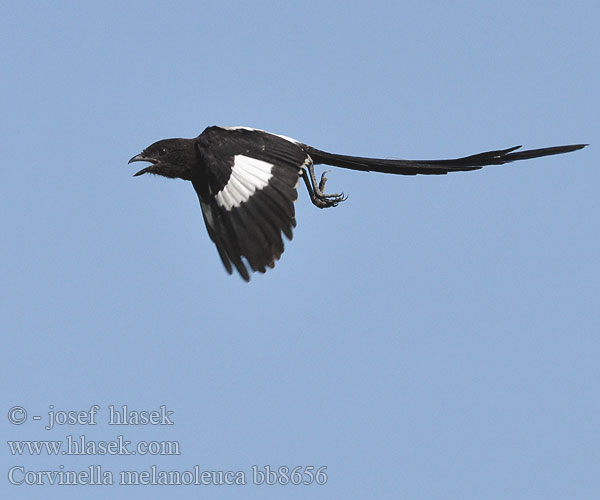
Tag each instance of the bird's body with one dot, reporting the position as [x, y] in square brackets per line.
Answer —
[247, 179]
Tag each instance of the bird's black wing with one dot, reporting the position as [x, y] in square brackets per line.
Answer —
[247, 189]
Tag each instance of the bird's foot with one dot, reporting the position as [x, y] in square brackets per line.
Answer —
[322, 200]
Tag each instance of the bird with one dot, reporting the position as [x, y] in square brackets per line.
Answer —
[247, 179]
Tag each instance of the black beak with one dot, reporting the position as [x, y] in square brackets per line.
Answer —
[141, 157]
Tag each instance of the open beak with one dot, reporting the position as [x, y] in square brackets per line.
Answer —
[141, 157]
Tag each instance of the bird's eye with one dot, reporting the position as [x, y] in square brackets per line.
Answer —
[162, 151]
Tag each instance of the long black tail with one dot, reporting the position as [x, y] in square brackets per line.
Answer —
[413, 167]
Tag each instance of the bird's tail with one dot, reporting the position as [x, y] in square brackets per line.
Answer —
[413, 167]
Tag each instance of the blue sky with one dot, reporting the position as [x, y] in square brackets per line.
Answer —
[430, 338]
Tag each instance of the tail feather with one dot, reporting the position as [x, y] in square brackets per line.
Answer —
[436, 167]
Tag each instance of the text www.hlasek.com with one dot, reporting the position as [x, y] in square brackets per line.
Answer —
[84, 446]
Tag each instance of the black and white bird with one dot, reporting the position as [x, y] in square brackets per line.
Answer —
[247, 180]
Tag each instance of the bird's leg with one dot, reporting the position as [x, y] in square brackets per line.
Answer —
[315, 190]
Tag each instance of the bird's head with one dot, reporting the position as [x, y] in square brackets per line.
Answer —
[172, 158]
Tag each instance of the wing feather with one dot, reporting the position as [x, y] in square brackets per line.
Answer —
[247, 195]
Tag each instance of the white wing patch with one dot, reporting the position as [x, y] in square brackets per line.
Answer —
[247, 176]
